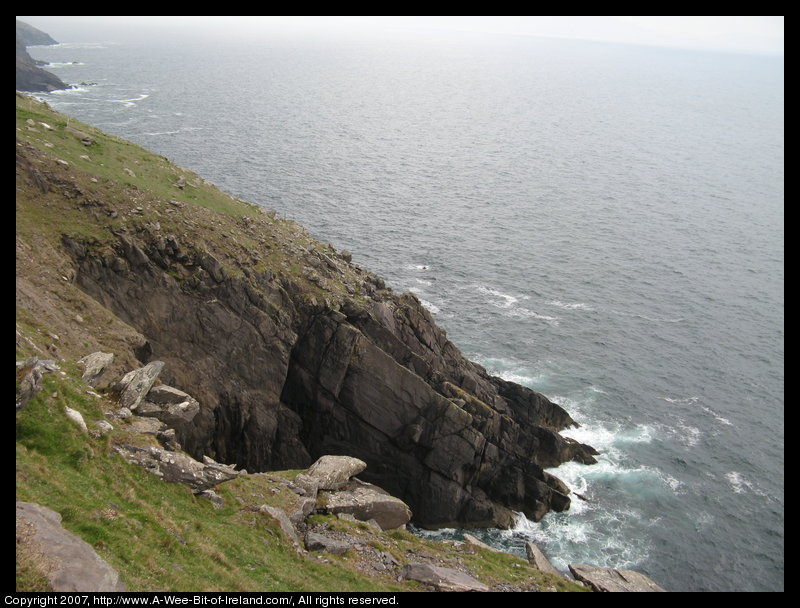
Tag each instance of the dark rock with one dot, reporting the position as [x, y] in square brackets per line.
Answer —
[282, 380]
[31, 36]
[30, 77]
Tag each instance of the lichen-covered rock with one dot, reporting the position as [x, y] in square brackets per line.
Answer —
[170, 405]
[137, 383]
[95, 365]
[538, 560]
[332, 472]
[29, 375]
[176, 467]
[366, 502]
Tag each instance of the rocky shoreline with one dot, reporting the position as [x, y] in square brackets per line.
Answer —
[30, 76]
[148, 413]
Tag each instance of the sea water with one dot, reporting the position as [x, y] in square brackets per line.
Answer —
[602, 223]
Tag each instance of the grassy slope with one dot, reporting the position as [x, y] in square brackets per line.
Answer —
[159, 536]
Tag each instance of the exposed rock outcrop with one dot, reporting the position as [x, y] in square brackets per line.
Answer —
[332, 472]
[609, 579]
[30, 77]
[176, 467]
[442, 579]
[69, 563]
[368, 502]
[281, 381]
[29, 378]
[291, 351]
[538, 559]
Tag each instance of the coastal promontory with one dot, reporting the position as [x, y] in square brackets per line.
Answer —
[291, 349]
[31, 77]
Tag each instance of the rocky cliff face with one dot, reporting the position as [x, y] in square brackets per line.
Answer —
[294, 352]
[283, 380]
[30, 77]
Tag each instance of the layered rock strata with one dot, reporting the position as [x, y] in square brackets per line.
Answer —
[282, 380]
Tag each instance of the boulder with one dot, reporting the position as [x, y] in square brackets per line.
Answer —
[320, 542]
[177, 467]
[76, 417]
[537, 559]
[440, 578]
[283, 521]
[332, 472]
[72, 564]
[95, 365]
[29, 376]
[468, 538]
[609, 579]
[137, 383]
[170, 405]
[365, 502]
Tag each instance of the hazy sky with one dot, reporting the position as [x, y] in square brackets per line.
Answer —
[724, 33]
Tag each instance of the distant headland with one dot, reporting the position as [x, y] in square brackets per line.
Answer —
[31, 77]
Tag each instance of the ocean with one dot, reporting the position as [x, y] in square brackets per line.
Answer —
[603, 223]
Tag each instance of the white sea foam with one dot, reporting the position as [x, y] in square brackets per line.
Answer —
[82, 45]
[717, 416]
[508, 303]
[128, 103]
[500, 299]
[570, 305]
[430, 306]
[741, 484]
[682, 400]
[63, 64]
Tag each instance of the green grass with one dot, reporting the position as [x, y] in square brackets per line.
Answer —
[158, 536]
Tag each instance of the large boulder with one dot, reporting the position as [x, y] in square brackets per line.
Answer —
[537, 559]
[177, 467]
[170, 405]
[366, 502]
[135, 385]
[95, 365]
[609, 579]
[332, 472]
[71, 564]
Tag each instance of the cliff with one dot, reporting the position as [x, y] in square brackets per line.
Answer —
[30, 77]
[29, 35]
[291, 349]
